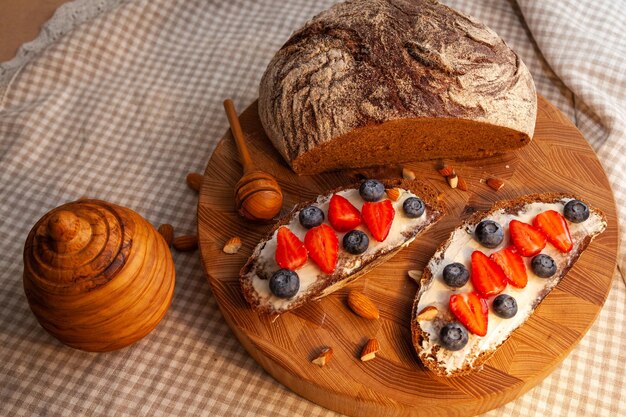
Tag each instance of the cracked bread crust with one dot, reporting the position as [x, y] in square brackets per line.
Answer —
[333, 282]
[429, 359]
[394, 79]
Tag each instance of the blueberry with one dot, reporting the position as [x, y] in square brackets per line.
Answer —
[311, 216]
[455, 275]
[372, 190]
[285, 283]
[504, 306]
[543, 266]
[489, 233]
[576, 211]
[355, 242]
[453, 336]
[413, 207]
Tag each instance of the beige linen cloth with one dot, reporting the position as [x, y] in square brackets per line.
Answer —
[120, 99]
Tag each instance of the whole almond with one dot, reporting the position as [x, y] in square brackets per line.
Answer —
[446, 171]
[416, 275]
[407, 174]
[232, 246]
[194, 181]
[167, 231]
[362, 305]
[453, 180]
[393, 193]
[462, 184]
[185, 243]
[370, 350]
[428, 313]
[323, 357]
[495, 183]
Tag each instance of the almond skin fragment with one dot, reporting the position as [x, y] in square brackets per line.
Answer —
[462, 184]
[185, 243]
[428, 313]
[324, 357]
[362, 306]
[167, 231]
[194, 181]
[495, 183]
[393, 193]
[369, 350]
[407, 174]
[232, 246]
[446, 171]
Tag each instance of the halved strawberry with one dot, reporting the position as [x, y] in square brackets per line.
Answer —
[471, 310]
[322, 244]
[378, 217]
[342, 215]
[526, 238]
[290, 251]
[553, 224]
[512, 265]
[487, 277]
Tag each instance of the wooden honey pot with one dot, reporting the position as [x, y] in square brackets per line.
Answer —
[97, 276]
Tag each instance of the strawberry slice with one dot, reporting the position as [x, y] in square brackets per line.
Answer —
[487, 277]
[554, 226]
[290, 251]
[471, 310]
[512, 265]
[378, 217]
[342, 215]
[527, 239]
[322, 244]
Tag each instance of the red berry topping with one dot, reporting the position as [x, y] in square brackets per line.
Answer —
[526, 238]
[471, 310]
[487, 277]
[290, 251]
[554, 226]
[378, 217]
[342, 215]
[512, 264]
[322, 244]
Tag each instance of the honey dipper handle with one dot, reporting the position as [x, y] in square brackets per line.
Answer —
[235, 127]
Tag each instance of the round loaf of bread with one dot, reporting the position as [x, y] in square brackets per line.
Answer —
[375, 82]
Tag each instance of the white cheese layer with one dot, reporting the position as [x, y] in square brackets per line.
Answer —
[310, 273]
[462, 244]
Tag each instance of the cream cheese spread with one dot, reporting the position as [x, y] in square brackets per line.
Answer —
[459, 249]
[400, 234]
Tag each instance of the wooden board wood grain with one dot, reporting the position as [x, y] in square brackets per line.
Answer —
[395, 383]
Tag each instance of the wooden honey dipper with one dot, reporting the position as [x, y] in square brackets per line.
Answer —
[257, 194]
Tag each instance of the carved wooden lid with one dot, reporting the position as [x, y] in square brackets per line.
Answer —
[78, 246]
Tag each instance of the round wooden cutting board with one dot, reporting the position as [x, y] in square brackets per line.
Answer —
[395, 383]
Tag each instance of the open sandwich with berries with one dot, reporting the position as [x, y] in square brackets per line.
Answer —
[491, 274]
[325, 244]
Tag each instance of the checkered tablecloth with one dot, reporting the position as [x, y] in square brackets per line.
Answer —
[120, 99]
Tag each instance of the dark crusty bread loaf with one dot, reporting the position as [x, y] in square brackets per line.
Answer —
[374, 82]
[434, 292]
[256, 271]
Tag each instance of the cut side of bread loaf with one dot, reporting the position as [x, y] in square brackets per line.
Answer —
[314, 283]
[434, 292]
[372, 82]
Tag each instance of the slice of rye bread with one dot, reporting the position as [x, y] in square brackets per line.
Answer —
[255, 274]
[458, 248]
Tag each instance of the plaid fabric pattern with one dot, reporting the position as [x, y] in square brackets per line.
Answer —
[121, 108]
